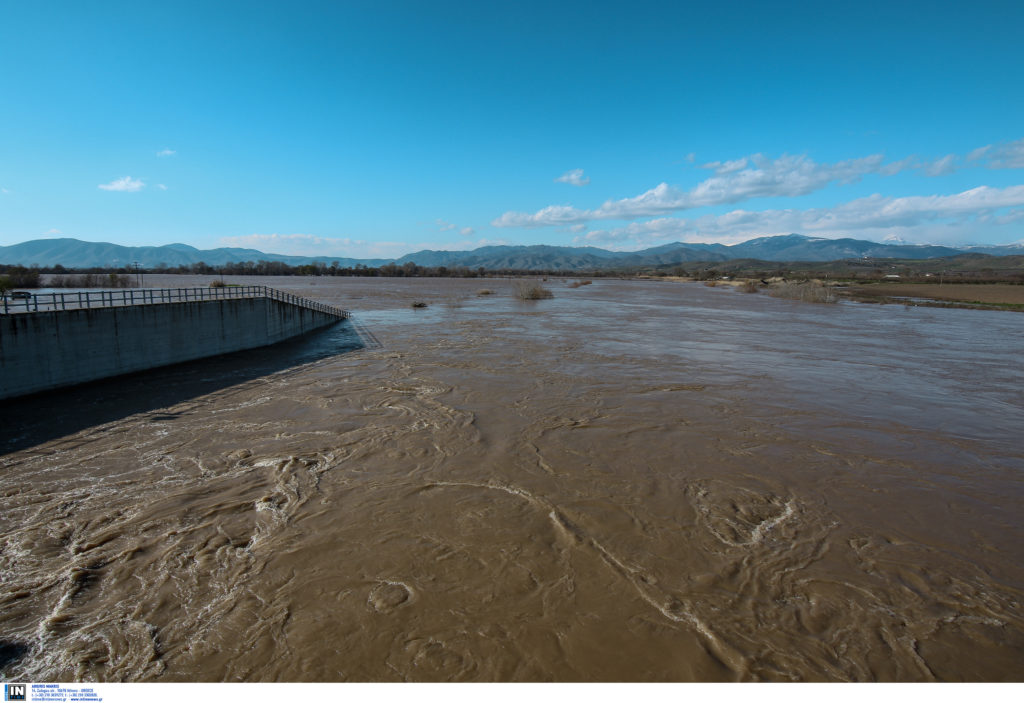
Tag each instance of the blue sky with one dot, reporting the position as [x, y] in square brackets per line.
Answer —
[380, 128]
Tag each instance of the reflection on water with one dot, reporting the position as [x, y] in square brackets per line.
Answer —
[631, 481]
[34, 419]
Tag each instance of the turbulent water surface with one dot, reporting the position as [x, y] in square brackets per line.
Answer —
[631, 481]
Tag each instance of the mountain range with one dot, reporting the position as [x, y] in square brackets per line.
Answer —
[74, 253]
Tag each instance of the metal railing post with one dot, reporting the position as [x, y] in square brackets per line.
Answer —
[115, 298]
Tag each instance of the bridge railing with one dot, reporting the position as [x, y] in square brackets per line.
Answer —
[79, 300]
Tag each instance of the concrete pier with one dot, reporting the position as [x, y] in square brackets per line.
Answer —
[55, 348]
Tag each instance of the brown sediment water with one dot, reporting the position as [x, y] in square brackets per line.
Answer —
[632, 481]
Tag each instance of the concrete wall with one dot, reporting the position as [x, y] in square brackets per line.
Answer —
[44, 350]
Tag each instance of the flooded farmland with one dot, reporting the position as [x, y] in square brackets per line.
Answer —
[631, 481]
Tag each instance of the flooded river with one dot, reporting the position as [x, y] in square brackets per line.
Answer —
[632, 481]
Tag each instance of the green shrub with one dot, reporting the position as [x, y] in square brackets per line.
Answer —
[531, 290]
[808, 292]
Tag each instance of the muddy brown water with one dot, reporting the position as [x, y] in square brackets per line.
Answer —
[632, 481]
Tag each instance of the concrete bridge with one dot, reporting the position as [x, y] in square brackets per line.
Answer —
[53, 340]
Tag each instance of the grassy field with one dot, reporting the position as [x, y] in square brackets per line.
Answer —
[988, 294]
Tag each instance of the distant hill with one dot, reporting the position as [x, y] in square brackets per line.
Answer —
[74, 253]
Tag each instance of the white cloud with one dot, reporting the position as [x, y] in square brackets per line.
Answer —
[691, 157]
[978, 153]
[444, 226]
[1010, 217]
[891, 169]
[574, 177]
[733, 182]
[941, 167]
[1008, 155]
[914, 218]
[722, 168]
[4, 191]
[551, 215]
[166, 152]
[1005, 155]
[161, 186]
[53, 231]
[123, 185]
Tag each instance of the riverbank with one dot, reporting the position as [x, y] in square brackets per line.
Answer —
[999, 295]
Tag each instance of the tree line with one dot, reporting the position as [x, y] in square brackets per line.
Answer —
[29, 277]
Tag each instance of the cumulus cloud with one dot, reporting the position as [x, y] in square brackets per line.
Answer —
[444, 226]
[1009, 155]
[978, 153]
[941, 167]
[734, 181]
[905, 164]
[875, 214]
[574, 177]
[166, 152]
[1005, 155]
[1010, 217]
[724, 167]
[546, 217]
[123, 185]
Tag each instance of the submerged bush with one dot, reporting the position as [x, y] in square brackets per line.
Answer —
[809, 292]
[20, 276]
[418, 304]
[93, 280]
[484, 291]
[749, 287]
[532, 290]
